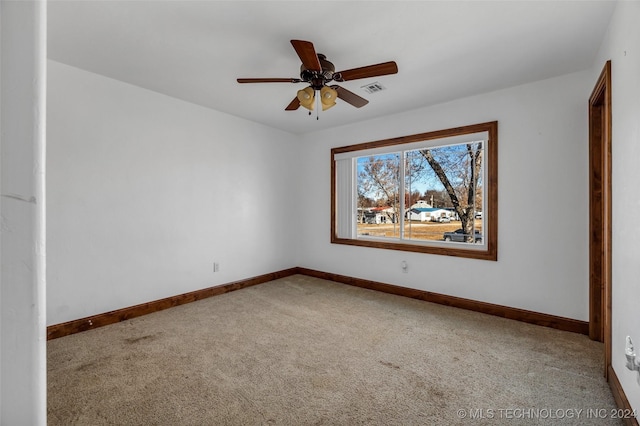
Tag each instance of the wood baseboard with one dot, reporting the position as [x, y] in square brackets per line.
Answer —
[100, 320]
[552, 321]
[620, 397]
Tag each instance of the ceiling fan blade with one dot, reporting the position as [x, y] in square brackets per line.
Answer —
[269, 80]
[307, 54]
[294, 105]
[376, 70]
[350, 97]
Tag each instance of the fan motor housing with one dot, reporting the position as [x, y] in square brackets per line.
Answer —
[318, 79]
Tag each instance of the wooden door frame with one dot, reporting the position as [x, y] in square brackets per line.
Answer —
[600, 212]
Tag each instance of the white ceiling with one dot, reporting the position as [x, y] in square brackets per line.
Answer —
[195, 50]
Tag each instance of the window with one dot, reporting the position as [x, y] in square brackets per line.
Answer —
[433, 192]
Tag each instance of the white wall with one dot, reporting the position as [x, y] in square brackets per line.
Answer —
[22, 210]
[543, 153]
[622, 47]
[145, 192]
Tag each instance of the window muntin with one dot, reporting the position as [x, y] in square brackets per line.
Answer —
[413, 193]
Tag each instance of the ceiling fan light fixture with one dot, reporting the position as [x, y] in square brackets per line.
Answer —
[327, 106]
[328, 97]
[306, 97]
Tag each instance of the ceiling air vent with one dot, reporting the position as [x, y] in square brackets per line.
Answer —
[374, 87]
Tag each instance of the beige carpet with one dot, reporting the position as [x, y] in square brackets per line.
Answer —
[304, 351]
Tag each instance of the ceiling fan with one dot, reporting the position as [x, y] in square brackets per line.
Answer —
[318, 72]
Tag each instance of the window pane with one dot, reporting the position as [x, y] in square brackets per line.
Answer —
[443, 192]
[378, 189]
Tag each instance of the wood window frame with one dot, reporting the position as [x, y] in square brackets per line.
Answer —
[490, 249]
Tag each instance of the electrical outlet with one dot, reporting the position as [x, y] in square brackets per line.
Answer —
[405, 266]
[630, 353]
[633, 361]
[216, 267]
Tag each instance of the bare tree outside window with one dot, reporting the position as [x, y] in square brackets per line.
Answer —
[459, 170]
